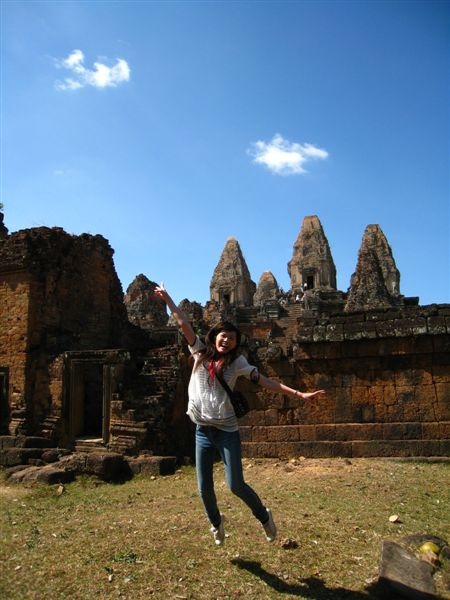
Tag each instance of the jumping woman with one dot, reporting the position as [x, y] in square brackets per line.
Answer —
[211, 410]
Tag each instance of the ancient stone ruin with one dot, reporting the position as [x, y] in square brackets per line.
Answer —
[312, 266]
[75, 373]
[231, 282]
[376, 281]
[267, 290]
[143, 309]
[85, 368]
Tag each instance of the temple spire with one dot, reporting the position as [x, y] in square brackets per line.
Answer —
[231, 282]
[312, 266]
[376, 281]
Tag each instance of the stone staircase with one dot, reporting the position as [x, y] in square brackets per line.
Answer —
[141, 420]
[89, 444]
[286, 326]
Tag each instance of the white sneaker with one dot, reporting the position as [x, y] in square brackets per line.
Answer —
[219, 532]
[270, 527]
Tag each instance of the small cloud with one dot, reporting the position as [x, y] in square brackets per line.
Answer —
[283, 157]
[100, 76]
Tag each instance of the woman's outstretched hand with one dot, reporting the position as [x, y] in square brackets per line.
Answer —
[161, 292]
[311, 395]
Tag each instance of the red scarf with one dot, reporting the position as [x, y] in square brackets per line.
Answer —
[212, 369]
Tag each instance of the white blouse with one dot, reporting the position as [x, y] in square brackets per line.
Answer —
[209, 403]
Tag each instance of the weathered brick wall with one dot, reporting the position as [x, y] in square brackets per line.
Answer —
[387, 378]
[59, 293]
[14, 306]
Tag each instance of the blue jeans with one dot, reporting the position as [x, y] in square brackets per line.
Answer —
[228, 444]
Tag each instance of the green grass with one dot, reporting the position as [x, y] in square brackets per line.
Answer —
[149, 538]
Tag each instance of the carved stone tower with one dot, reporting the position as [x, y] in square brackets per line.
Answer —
[231, 282]
[144, 310]
[312, 266]
[267, 290]
[376, 281]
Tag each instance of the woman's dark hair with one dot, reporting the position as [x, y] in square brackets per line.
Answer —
[209, 353]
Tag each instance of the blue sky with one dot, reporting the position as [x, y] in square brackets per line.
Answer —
[168, 127]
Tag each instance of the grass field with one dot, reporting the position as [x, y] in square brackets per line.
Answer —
[148, 538]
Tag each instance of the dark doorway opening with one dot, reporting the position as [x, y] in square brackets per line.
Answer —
[90, 380]
[87, 399]
[93, 400]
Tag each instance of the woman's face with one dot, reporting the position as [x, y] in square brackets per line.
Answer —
[226, 341]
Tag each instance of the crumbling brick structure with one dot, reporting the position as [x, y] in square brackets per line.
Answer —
[387, 378]
[57, 295]
[71, 364]
[383, 360]
[78, 369]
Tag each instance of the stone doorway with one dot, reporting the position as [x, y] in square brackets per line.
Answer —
[88, 383]
[87, 400]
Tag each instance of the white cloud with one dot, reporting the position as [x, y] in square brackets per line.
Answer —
[100, 76]
[283, 157]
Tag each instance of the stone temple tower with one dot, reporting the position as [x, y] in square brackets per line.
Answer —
[312, 266]
[376, 281]
[267, 290]
[231, 282]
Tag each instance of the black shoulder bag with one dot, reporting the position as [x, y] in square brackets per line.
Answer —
[238, 400]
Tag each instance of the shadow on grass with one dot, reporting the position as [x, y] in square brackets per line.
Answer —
[309, 587]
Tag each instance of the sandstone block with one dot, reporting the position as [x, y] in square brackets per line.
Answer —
[386, 448]
[444, 430]
[282, 434]
[152, 465]
[258, 417]
[307, 432]
[436, 325]
[401, 431]
[432, 431]
[444, 448]
[246, 433]
[108, 466]
[11, 457]
[257, 434]
[270, 417]
[48, 474]
[7, 441]
[35, 442]
[429, 448]
[325, 432]
[402, 573]
[359, 431]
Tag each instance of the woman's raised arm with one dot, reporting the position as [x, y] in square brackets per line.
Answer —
[178, 314]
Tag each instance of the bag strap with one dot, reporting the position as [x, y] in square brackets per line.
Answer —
[225, 385]
[213, 372]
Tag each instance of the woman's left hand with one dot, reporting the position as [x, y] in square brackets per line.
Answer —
[310, 395]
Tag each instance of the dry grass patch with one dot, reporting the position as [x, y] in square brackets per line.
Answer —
[148, 538]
